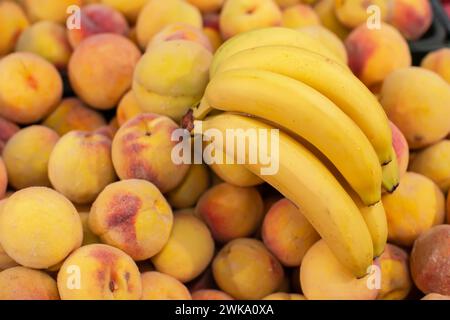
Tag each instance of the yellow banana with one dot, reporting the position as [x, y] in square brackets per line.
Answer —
[303, 179]
[265, 37]
[329, 78]
[304, 111]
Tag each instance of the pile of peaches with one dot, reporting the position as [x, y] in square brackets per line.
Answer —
[93, 207]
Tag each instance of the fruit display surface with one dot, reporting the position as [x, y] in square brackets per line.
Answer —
[224, 150]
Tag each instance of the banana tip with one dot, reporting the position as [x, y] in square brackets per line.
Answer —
[394, 188]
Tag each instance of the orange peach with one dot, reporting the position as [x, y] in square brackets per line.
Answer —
[207, 5]
[52, 10]
[128, 108]
[231, 212]
[353, 13]
[12, 22]
[323, 277]
[439, 62]
[239, 16]
[172, 77]
[430, 261]
[411, 17]
[71, 114]
[417, 101]
[30, 87]
[413, 208]
[245, 269]
[300, 15]
[374, 53]
[434, 163]
[130, 9]
[21, 283]
[325, 11]
[210, 294]
[189, 250]
[142, 149]
[180, 31]
[160, 286]
[395, 278]
[27, 155]
[401, 148]
[287, 234]
[195, 183]
[88, 154]
[99, 272]
[95, 19]
[114, 58]
[39, 227]
[156, 14]
[134, 216]
[7, 130]
[284, 296]
[47, 39]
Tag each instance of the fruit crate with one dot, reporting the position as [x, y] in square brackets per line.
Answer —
[438, 36]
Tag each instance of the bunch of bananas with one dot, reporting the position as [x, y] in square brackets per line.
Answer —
[335, 146]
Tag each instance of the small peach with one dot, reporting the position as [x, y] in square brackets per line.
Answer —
[231, 212]
[99, 272]
[30, 87]
[91, 161]
[12, 22]
[142, 149]
[21, 283]
[130, 9]
[299, 16]
[325, 11]
[27, 155]
[39, 227]
[207, 5]
[128, 108]
[160, 286]
[210, 294]
[189, 250]
[353, 13]
[439, 62]
[411, 17]
[52, 10]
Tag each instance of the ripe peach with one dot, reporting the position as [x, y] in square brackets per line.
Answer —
[12, 22]
[30, 87]
[160, 286]
[325, 11]
[210, 294]
[300, 15]
[5, 261]
[401, 148]
[180, 31]
[52, 10]
[47, 39]
[142, 149]
[395, 278]
[189, 250]
[323, 277]
[287, 3]
[95, 19]
[287, 234]
[417, 101]
[27, 154]
[195, 183]
[353, 13]
[172, 77]
[239, 16]
[439, 62]
[430, 261]
[115, 58]
[130, 9]
[128, 108]
[207, 5]
[329, 39]
[434, 163]
[99, 272]
[39, 227]
[133, 216]
[157, 14]
[21, 283]
[411, 17]
[214, 37]
[284, 296]
[245, 269]
[236, 175]
[231, 212]
[72, 114]
[91, 161]
[413, 208]
[7, 130]
[374, 53]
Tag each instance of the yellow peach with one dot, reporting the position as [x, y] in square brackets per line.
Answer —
[401, 148]
[130, 9]
[439, 62]
[207, 5]
[52, 10]
[7, 130]
[89, 237]
[325, 11]
[299, 16]
[12, 22]
[128, 108]
[353, 13]
[411, 17]
[160, 286]
[210, 294]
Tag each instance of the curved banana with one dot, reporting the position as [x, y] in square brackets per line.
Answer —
[329, 78]
[304, 111]
[266, 37]
[303, 179]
